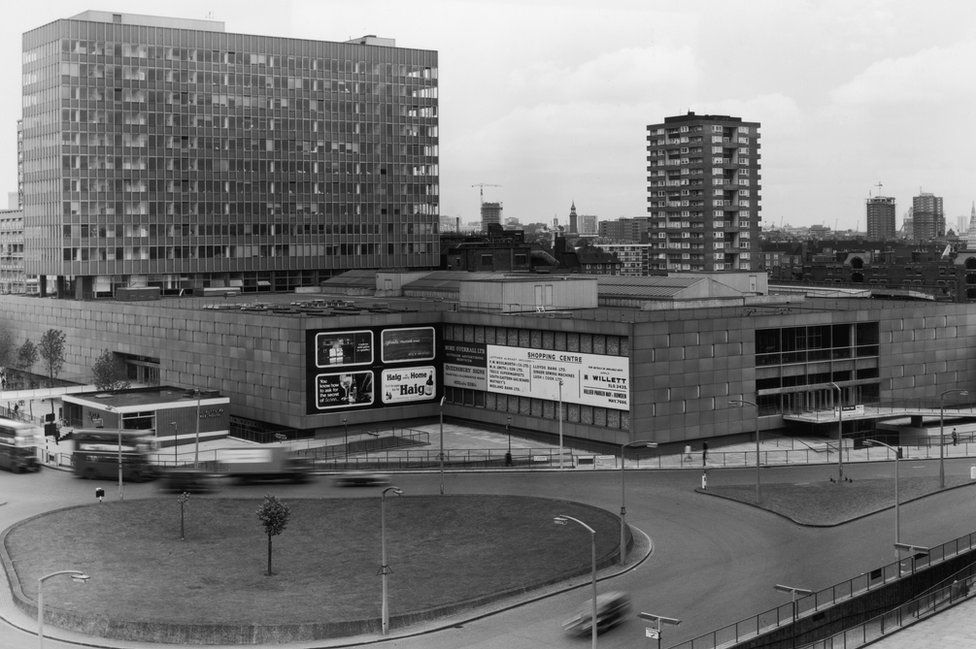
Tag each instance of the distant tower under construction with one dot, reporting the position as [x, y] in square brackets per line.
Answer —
[490, 213]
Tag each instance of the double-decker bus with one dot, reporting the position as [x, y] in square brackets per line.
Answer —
[97, 453]
[19, 445]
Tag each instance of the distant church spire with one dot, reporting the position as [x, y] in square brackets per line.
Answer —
[573, 219]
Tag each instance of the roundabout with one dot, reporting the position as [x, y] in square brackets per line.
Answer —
[446, 554]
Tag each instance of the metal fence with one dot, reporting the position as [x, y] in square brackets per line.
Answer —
[767, 621]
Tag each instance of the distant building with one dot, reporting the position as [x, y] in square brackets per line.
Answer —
[970, 237]
[625, 230]
[588, 224]
[573, 220]
[495, 250]
[704, 192]
[588, 260]
[928, 217]
[880, 218]
[13, 278]
[491, 214]
[635, 258]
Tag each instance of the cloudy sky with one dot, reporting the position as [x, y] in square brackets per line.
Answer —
[550, 100]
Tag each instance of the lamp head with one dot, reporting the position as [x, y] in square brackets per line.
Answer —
[396, 491]
[560, 520]
[81, 577]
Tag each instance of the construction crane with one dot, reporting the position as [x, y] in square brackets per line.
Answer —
[481, 190]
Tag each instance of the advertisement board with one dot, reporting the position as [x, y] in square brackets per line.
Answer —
[370, 367]
[409, 384]
[344, 390]
[588, 379]
[340, 348]
[408, 345]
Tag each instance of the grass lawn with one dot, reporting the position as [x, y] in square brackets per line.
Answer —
[442, 550]
[828, 503]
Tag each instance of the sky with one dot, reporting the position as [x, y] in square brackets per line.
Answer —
[550, 100]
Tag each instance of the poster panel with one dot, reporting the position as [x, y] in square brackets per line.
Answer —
[340, 348]
[409, 384]
[465, 365]
[407, 345]
[344, 390]
[573, 377]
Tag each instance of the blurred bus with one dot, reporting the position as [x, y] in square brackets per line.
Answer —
[20, 445]
[97, 453]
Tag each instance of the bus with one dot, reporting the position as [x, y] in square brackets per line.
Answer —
[97, 453]
[20, 445]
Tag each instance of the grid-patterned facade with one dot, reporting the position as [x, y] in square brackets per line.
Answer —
[928, 218]
[703, 193]
[881, 218]
[166, 152]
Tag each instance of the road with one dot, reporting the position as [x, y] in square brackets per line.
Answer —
[715, 561]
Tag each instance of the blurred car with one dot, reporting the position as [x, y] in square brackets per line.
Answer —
[194, 481]
[362, 479]
[611, 609]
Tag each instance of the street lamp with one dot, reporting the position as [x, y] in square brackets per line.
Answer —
[345, 427]
[840, 432]
[623, 492]
[196, 449]
[560, 423]
[176, 443]
[118, 429]
[872, 442]
[384, 568]
[740, 403]
[660, 620]
[793, 591]
[508, 430]
[562, 519]
[440, 456]
[913, 550]
[76, 575]
[961, 393]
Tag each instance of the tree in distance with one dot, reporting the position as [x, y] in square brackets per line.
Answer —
[26, 356]
[273, 514]
[109, 372]
[51, 350]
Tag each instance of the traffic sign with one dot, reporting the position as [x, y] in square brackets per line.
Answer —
[652, 633]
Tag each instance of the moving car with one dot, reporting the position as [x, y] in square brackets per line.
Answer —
[611, 609]
[362, 479]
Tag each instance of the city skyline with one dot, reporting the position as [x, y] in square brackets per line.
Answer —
[551, 100]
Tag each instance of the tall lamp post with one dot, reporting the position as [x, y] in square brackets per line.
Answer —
[623, 492]
[508, 430]
[76, 575]
[740, 403]
[176, 443]
[874, 442]
[660, 620]
[560, 415]
[562, 519]
[961, 393]
[384, 568]
[840, 432]
[196, 449]
[440, 456]
[793, 591]
[345, 436]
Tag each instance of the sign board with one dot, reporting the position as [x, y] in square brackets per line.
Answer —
[652, 633]
[370, 367]
[587, 379]
[407, 384]
[606, 461]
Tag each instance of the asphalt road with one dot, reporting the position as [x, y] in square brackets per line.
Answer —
[715, 561]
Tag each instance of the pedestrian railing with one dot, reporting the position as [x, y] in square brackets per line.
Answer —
[751, 627]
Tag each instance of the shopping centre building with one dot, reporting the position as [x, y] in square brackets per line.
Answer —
[627, 358]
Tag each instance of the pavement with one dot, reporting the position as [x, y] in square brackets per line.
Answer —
[955, 627]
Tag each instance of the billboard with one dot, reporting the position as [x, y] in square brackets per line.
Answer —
[587, 379]
[408, 345]
[370, 367]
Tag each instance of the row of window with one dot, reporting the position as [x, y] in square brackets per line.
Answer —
[154, 230]
[149, 253]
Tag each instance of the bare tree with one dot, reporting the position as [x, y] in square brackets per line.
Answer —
[274, 516]
[51, 350]
[109, 372]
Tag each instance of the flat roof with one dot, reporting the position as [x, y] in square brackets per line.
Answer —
[136, 398]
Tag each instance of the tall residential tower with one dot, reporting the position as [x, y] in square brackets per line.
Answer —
[166, 152]
[881, 218]
[703, 193]
[928, 217]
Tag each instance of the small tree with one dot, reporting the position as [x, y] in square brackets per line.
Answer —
[7, 351]
[274, 516]
[109, 372]
[51, 350]
[26, 356]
